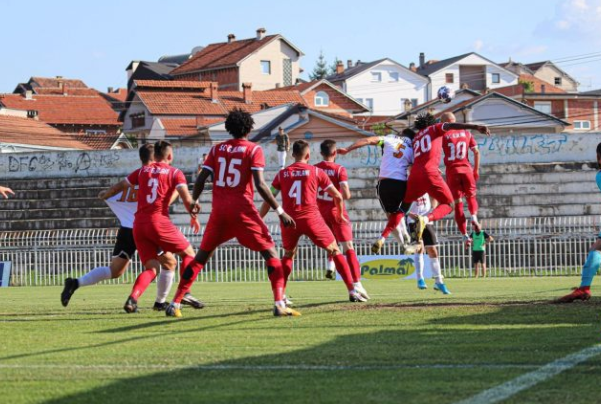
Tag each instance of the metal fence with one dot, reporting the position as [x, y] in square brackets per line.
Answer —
[522, 247]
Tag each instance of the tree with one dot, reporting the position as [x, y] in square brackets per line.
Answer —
[528, 86]
[320, 70]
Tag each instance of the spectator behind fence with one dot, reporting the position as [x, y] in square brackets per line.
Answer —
[283, 144]
[479, 239]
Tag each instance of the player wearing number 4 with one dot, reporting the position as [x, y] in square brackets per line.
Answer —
[461, 177]
[299, 184]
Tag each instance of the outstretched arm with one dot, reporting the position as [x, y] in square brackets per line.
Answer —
[114, 190]
[369, 141]
[268, 197]
[458, 126]
[4, 191]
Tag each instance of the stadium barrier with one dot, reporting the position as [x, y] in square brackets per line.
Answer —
[522, 247]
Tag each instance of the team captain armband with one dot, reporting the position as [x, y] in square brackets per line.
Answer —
[381, 142]
[274, 191]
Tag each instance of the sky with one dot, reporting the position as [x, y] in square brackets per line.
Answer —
[95, 40]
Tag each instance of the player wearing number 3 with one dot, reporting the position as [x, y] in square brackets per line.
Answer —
[461, 178]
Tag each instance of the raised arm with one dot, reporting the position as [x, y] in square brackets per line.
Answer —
[4, 191]
[268, 197]
[114, 190]
[459, 126]
[368, 141]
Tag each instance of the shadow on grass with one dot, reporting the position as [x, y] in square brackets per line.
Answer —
[436, 364]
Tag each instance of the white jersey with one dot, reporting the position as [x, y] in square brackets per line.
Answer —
[124, 206]
[397, 156]
[422, 206]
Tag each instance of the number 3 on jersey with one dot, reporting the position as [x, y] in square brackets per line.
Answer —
[153, 184]
[422, 145]
[233, 174]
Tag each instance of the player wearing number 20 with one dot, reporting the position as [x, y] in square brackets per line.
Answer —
[461, 177]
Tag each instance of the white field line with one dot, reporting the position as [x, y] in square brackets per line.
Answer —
[512, 387]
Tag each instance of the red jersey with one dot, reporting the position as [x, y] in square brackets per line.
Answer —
[456, 144]
[299, 184]
[156, 182]
[338, 175]
[232, 163]
[427, 148]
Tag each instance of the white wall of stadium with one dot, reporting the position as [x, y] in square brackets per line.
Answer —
[513, 148]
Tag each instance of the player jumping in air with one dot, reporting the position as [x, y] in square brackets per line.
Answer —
[124, 203]
[593, 260]
[153, 230]
[425, 177]
[421, 207]
[299, 184]
[235, 165]
[397, 156]
[343, 231]
[461, 177]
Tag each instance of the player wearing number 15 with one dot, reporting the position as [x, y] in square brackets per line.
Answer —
[461, 177]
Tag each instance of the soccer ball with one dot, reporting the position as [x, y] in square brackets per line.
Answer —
[445, 94]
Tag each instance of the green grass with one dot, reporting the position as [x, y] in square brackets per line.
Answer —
[234, 351]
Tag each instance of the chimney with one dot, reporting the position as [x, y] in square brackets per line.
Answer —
[231, 38]
[64, 87]
[213, 91]
[109, 90]
[247, 93]
[412, 67]
[422, 60]
[349, 64]
[200, 121]
[339, 67]
[260, 33]
[358, 62]
[29, 95]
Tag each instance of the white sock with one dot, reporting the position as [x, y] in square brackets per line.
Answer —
[436, 272]
[419, 266]
[164, 284]
[396, 233]
[358, 285]
[280, 303]
[474, 218]
[426, 220]
[331, 266]
[95, 276]
[176, 305]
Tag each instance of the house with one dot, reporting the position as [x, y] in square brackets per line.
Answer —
[386, 87]
[191, 103]
[504, 115]
[53, 85]
[116, 98]
[322, 95]
[22, 134]
[546, 71]
[266, 61]
[469, 70]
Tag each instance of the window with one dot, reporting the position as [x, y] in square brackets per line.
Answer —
[360, 100]
[308, 135]
[449, 78]
[413, 102]
[369, 103]
[394, 76]
[376, 76]
[557, 81]
[95, 132]
[266, 66]
[496, 78]
[582, 125]
[322, 99]
[543, 106]
[138, 120]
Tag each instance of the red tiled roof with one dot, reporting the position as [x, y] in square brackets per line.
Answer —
[220, 55]
[68, 90]
[518, 89]
[65, 110]
[171, 84]
[33, 132]
[118, 95]
[235, 99]
[54, 82]
[300, 86]
[98, 141]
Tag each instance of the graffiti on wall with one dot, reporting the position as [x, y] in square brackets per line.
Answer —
[540, 145]
[65, 161]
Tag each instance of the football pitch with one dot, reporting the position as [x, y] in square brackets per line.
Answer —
[494, 340]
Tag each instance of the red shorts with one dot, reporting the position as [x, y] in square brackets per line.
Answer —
[433, 184]
[313, 227]
[461, 183]
[342, 231]
[247, 227]
[159, 234]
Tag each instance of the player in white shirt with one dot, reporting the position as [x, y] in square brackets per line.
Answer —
[124, 205]
[421, 207]
[397, 156]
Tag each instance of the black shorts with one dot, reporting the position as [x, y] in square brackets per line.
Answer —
[478, 257]
[125, 247]
[428, 236]
[391, 194]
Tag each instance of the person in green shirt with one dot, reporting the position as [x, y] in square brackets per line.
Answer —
[283, 144]
[479, 239]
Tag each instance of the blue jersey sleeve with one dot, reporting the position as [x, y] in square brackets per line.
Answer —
[599, 180]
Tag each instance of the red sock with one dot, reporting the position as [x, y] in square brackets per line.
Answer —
[440, 212]
[353, 263]
[287, 269]
[142, 282]
[472, 204]
[585, 288]
[187, 260]
[344, 271]
[393, 222]
[187, 278]
[275, 272]
[460, 218]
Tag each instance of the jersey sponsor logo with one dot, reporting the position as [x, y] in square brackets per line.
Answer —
[387, 268]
